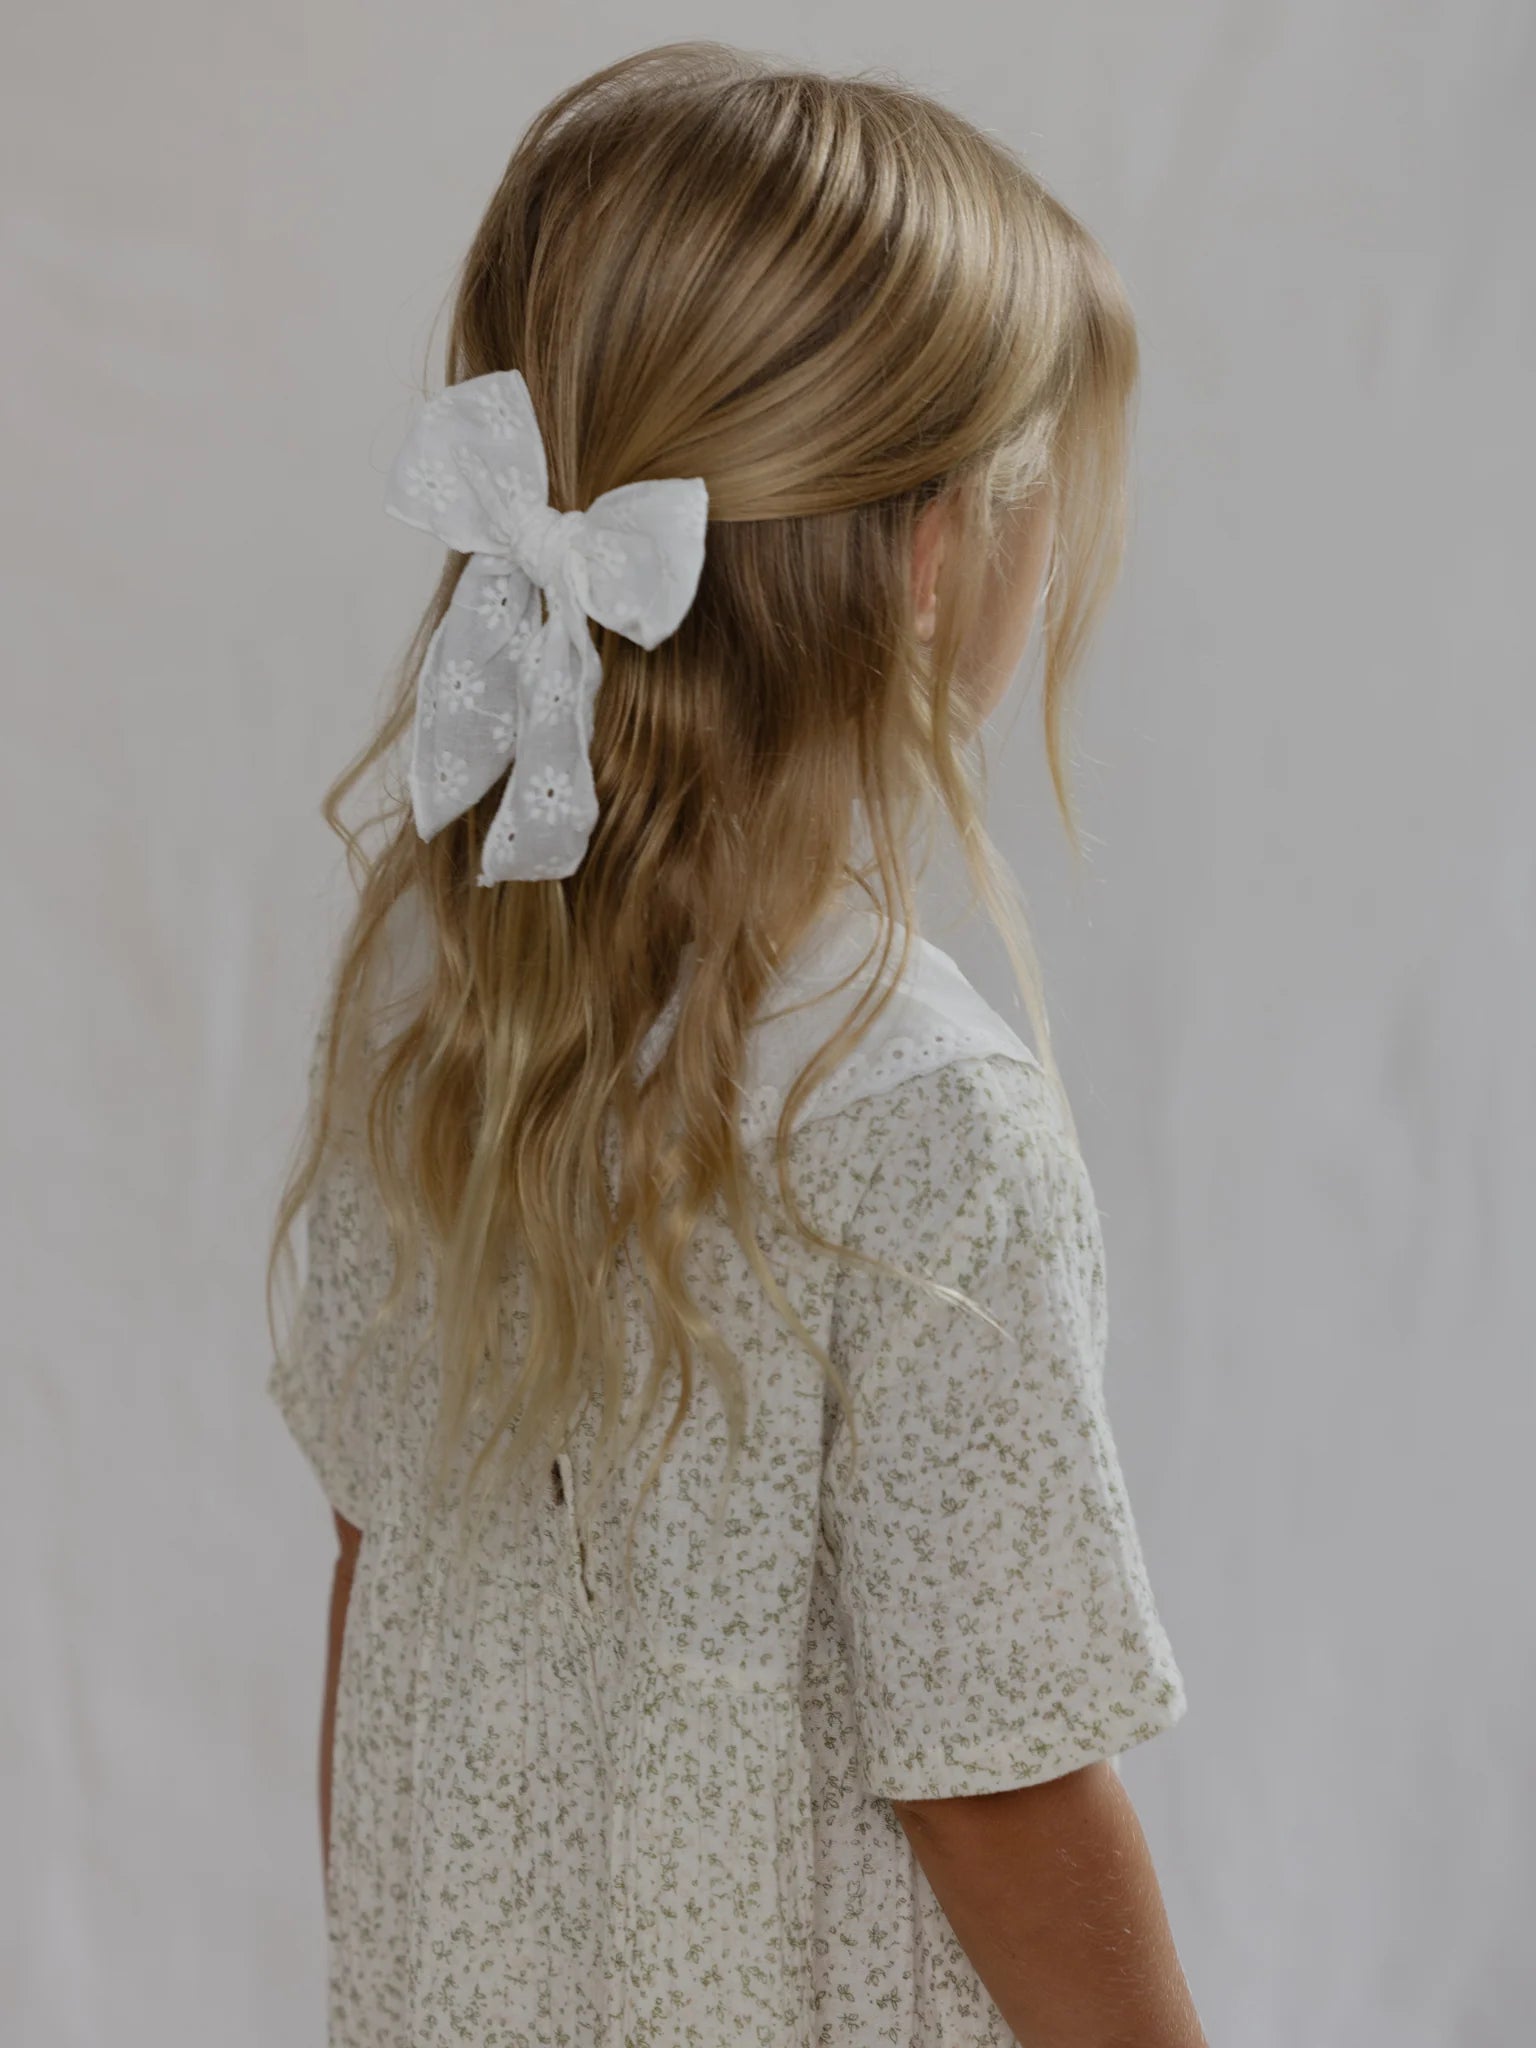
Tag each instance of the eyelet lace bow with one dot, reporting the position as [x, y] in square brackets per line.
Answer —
[511, 676]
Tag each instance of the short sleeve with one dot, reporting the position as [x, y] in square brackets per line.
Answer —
[995, 1602]
[328, 1412]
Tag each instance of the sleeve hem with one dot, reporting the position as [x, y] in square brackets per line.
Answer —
[942, 1770]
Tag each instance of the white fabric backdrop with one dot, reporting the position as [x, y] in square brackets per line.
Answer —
[1293, 995]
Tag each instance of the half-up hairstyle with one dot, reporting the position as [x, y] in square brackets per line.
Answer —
[836, 301]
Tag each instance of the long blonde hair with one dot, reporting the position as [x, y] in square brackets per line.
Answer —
[836, 301]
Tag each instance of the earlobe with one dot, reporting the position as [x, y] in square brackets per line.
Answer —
[929, 539]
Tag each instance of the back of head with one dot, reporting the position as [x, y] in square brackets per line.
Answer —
[835, 301]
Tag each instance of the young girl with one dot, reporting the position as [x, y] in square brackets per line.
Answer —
[739, 1608]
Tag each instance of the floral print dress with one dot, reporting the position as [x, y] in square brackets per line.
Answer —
[566, 1819]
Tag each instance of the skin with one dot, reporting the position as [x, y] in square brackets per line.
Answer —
[1049, 1887]
[1000, 633]
[1051, 1892]
[348, 1537]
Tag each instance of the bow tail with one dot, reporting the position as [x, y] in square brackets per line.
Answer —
[549, 806]
[465, 727]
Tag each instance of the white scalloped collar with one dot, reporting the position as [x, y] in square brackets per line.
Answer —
[936, 1015]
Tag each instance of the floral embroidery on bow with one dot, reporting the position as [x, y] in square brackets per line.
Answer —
[508, 677]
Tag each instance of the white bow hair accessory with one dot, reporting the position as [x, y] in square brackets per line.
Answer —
[500, 681]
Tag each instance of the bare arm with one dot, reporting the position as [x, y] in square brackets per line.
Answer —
[349, 1536]
[1051, 1892]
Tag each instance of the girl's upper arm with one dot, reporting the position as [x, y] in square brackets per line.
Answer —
[1001, 1627]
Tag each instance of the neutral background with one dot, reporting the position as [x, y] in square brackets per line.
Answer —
[1292, 993]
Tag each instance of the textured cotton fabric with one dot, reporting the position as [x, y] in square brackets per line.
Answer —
[561, 1819]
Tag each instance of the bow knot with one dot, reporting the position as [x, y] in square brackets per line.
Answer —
[500, 684]
[545, 542]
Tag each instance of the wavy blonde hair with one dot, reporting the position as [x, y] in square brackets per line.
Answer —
[836, 301]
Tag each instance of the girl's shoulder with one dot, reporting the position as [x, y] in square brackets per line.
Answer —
[935, 1022]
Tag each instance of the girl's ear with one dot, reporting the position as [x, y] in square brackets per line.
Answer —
[930, 544]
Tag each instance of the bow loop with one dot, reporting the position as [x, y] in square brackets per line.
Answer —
[643, 548]
[509, 678]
